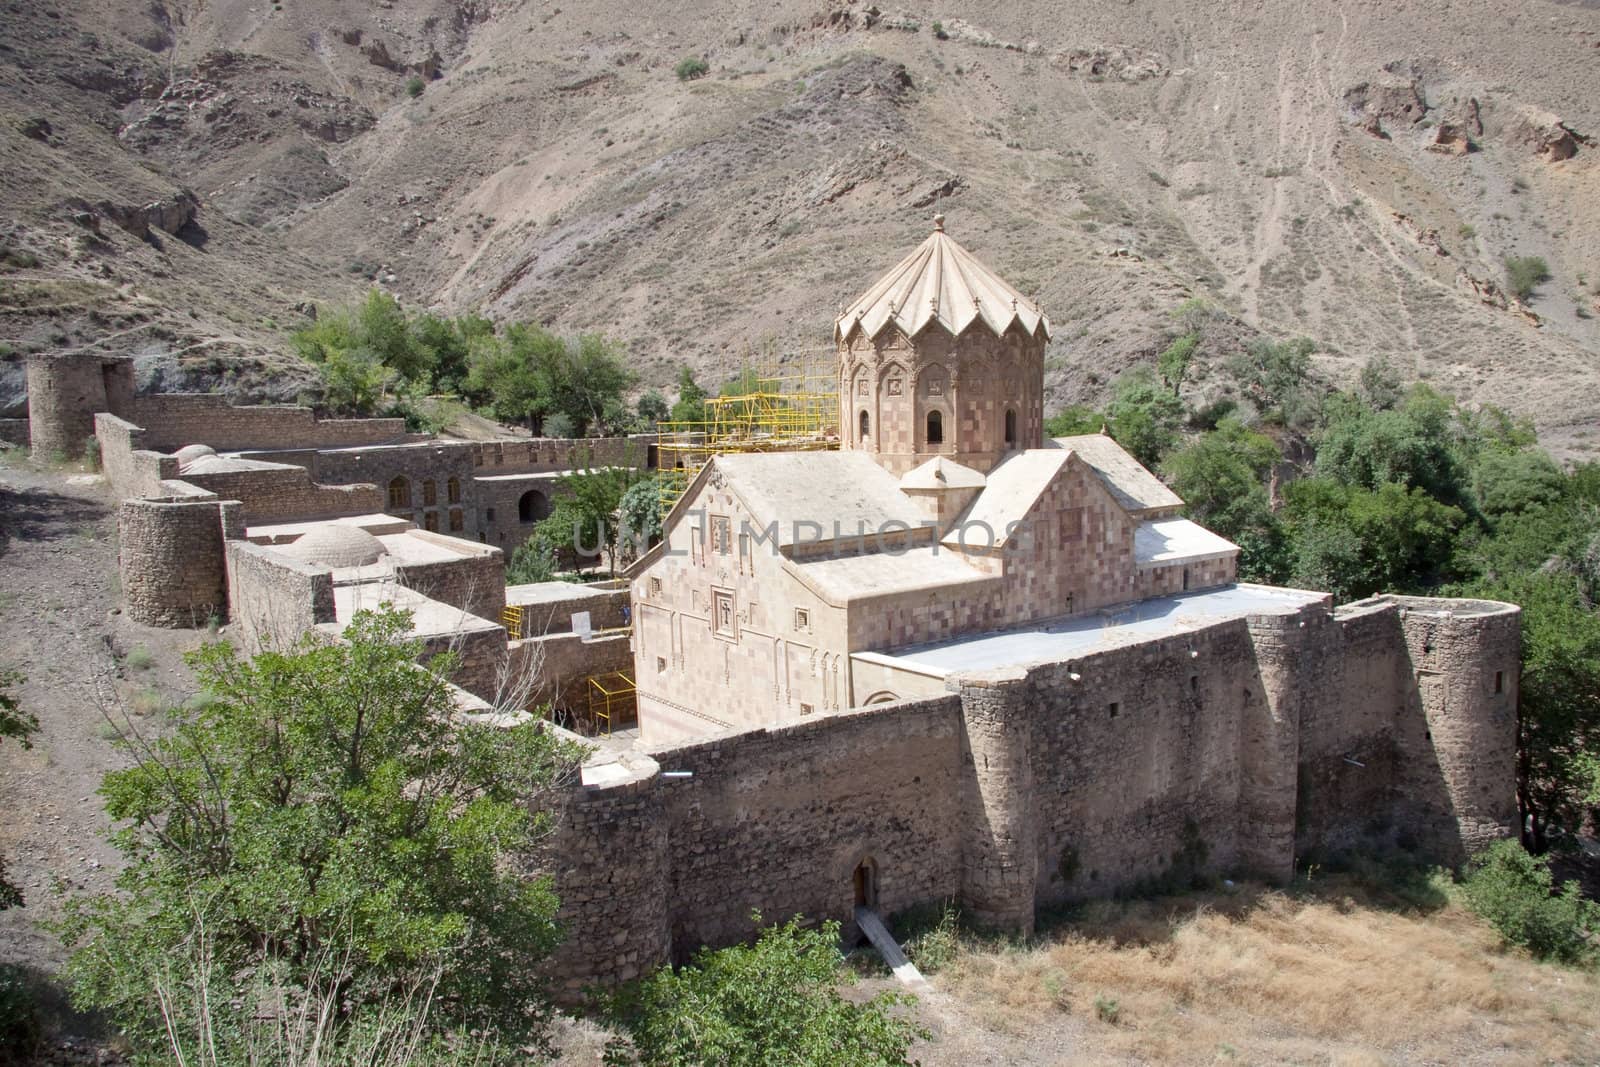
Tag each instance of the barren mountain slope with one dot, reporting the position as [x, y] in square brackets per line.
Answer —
[1296, 164]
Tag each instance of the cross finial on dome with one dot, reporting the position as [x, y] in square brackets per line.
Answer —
[938, 223]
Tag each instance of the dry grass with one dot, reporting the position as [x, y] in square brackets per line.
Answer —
[1270, 977]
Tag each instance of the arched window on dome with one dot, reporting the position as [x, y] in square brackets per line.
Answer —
[1011, 428]
[866, 427]
[935, 428]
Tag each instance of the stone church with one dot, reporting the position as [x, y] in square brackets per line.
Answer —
[946, 512]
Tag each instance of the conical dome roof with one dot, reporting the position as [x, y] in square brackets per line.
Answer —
[944, 283]
[337, 545]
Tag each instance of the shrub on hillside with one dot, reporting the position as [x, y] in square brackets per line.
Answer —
[1514, 891]
[774, 1002]
[691, 68]
[1526, 273]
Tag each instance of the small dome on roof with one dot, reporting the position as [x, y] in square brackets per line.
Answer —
[337, 545]
[939, 474]
[190, 453]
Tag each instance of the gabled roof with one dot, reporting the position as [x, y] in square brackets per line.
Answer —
[1012, 489]
[1140, 493]
[826, 488]
[944, 283]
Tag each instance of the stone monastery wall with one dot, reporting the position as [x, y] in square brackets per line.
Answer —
[172, 420]
[1243, 747]
[269, 496]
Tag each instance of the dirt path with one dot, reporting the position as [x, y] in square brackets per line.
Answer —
[60, 627]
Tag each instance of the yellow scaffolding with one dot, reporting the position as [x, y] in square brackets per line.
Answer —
[612, 700]
[775, 409]
[511, 619]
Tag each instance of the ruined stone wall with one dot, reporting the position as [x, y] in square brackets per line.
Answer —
[482, 667]
[170, 559]
[607, 608]
[130, 467]
[475, 581]
[172, 420]
[14, 431]
[274, 598]
[269, 496]
[1209, 751]
[1136, 761]
[562, 664]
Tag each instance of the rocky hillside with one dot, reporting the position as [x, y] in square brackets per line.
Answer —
[188, 178]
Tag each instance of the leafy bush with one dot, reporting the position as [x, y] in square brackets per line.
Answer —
[939, 31]
[1514, 891]
[326, 815]
[1526, 274]
[932, 946]
[691, 68]
[414, 86]
[18, 725]
[774, 1002]
[1073, 420]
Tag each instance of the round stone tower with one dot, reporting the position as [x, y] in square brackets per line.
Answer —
[941, 358]
[64, 392]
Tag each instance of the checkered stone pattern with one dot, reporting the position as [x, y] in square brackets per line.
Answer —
[973, 381]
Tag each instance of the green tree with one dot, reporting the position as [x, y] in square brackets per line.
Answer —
[19, 726]
[1526, 274]
[1379, 384]
[1073, 420]
[511, 376]
[639, 515]
[326, 803]
[1275, 376]
[653, 407]
[1515, 892]
[1143, 417]
[1173, 363]
[586, 517]
[772, 1004]
[1220, 476]
[691, 403]
[691, 68]
[1558, 713]
[1354, 541]
[1422, 443]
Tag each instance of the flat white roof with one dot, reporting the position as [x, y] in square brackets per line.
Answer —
[887, 573]
[1173, 540]
[555, 592]
[376, 524]
[1077, 635]
[428, 617]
